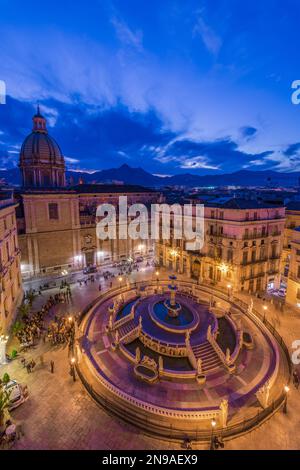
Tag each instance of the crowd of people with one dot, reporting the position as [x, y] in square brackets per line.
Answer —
[61, 331]
[34, 327]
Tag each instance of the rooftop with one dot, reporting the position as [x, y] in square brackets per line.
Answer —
[239, 203]
[110, 188]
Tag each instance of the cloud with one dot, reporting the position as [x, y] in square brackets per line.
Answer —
[211, 40]
[292, 150]
[96, 137]
[248, 132]
[126, 36]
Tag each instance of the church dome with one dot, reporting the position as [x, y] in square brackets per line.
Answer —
[41, 159]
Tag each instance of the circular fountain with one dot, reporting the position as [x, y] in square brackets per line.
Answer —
[161, 358]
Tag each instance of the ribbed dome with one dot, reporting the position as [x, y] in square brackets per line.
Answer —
[41, 161]
[40, 147]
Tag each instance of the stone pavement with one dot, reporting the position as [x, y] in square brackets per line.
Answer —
[59, 413]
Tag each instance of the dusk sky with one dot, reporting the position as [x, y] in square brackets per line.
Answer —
[172, 86]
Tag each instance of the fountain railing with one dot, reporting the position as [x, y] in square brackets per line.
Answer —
[131, 335]
[127, 318]
[216, 347]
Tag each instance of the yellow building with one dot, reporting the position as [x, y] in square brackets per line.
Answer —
[293, 284]
[292, 221]
[11, 285]
[241, 251]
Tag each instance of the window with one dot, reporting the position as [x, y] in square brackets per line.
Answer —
[212, 214]
[255, 216]
[298, 272]
[247, 215]
[53, 211]
[221, 215]
[245, 257]
[229, 256]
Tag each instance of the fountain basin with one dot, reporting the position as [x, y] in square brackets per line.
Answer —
[186, 320]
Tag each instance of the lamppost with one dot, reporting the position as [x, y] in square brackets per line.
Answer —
[213, 424]
[120, 281]
[228, 289]
[72, 368]
[265, 308]
[286, 389]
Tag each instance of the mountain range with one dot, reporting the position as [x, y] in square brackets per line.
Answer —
[128, 175]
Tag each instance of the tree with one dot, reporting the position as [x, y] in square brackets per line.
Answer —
[23, 310]
[5, 378]
[18, 326]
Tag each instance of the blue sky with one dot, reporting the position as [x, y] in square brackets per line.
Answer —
[172, 86]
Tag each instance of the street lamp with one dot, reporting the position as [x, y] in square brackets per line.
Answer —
[72, 368]
[265, 308]
[213, 424]
[228, 289]
[286, 389]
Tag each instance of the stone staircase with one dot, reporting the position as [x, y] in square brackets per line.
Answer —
[209, 357]
[127, 328]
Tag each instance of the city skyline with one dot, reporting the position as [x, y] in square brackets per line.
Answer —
[172, 89]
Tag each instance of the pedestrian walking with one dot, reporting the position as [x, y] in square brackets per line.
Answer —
[52, 366]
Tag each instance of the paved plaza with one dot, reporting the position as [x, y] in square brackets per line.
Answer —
[59, 413]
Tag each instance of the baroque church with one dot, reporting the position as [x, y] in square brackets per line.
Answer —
[56, 222]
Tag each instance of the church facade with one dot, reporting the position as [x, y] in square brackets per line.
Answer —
[56, 222]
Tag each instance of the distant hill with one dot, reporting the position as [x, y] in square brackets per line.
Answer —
[129, 175]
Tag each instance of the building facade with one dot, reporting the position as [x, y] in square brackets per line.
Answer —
[241, 251]
[293, 281]
[11, 283]
[56, 223]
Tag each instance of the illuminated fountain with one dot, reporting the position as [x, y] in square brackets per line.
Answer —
[171, 304]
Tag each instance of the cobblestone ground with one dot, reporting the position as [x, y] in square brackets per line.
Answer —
[59, 414]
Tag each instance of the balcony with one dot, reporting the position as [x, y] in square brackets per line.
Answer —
[256, 261]
[252, 276]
